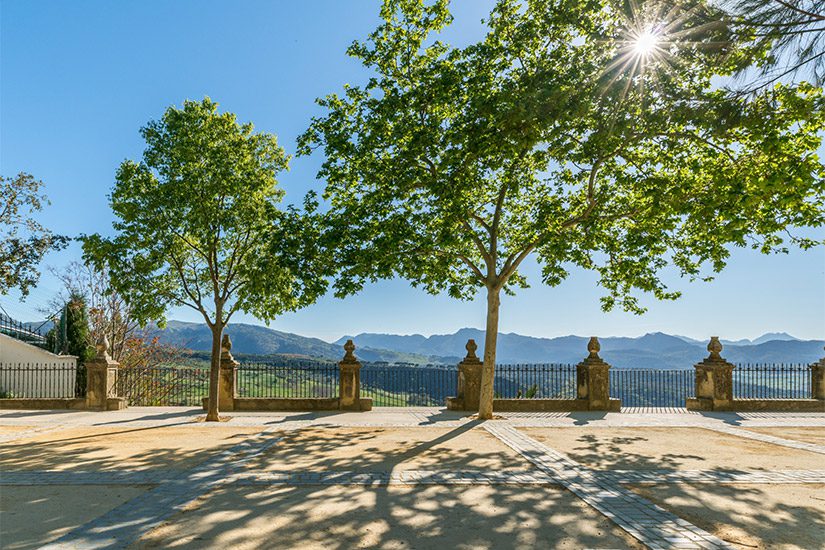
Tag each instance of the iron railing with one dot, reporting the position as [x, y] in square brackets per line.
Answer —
[651, 387]
[308, 379]
[41, 380]
[163, 385]
[407, 386]
[772, 381]
[535, 381]
[24, 332]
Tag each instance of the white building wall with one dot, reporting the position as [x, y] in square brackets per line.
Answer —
[28, 371]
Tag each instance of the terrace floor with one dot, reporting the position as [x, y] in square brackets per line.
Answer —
[411, 478]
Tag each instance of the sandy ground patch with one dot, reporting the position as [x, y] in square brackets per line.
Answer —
[390, 449]
[390, 517]
[8, 430]
[671, 448]
[31, 516]
[815, 435]
[749, 516]
[121, 447]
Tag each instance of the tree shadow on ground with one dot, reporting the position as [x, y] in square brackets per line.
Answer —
[749, 516]
[671, 449]
[188, 413]
[396, 516]
[382, 449]
[93, 449]
[28, 414]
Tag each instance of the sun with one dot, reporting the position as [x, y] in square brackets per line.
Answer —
[646, 43]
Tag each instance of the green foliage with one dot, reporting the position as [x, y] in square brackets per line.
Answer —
[197, 223]
[78, 341]
[23, 241]
[552, 137]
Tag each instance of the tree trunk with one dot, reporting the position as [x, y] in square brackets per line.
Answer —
[215, 374]
[485, 404]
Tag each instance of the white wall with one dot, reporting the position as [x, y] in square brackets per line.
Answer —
[28, 371]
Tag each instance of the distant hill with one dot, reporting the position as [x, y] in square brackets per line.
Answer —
[259, 340]
[655, 350]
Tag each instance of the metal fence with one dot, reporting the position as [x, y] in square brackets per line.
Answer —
[57, 379]
[404, 385]
[292, 380]
[407, 386]
[535, 381]
[651, 387]
[26, 332]
[772, 381]
[163, 386]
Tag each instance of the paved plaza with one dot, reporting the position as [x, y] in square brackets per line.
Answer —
[411, 478]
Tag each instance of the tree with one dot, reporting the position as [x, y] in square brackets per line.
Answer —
[793, 31]
[580, 133]
[110, 316]
[23, 241]
[197, 226]
[71, 336]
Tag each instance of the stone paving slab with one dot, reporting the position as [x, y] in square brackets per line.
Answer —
[237, 475]
[72, 477]
[659, 477]
[650, 524]
[404, 477]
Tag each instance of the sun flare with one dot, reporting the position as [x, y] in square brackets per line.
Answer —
[646, 43]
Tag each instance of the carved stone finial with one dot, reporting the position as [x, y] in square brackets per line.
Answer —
[102, 348]
[594, 347]
[349, 348]
[226, 344]
[715, 348]
[471, 348]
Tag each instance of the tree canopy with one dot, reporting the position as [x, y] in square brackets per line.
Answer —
[792, 33]
[198, 226]
[23, 240]
[559, 136]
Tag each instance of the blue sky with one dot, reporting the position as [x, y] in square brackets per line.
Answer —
[78, 79]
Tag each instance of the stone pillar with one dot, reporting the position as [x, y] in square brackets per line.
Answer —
[227, 389]
[101, 378]
[349, 381]
[818, 380]
[714, 381]
[593, 381]
[469, 379]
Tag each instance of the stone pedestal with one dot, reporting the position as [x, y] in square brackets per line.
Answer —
[227, 389]
[593, 381]
[101, 380]
[349, 381]
[713, 382]
[469, 381]
[818, 380]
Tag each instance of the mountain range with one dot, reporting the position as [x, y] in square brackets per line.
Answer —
[655, 350]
